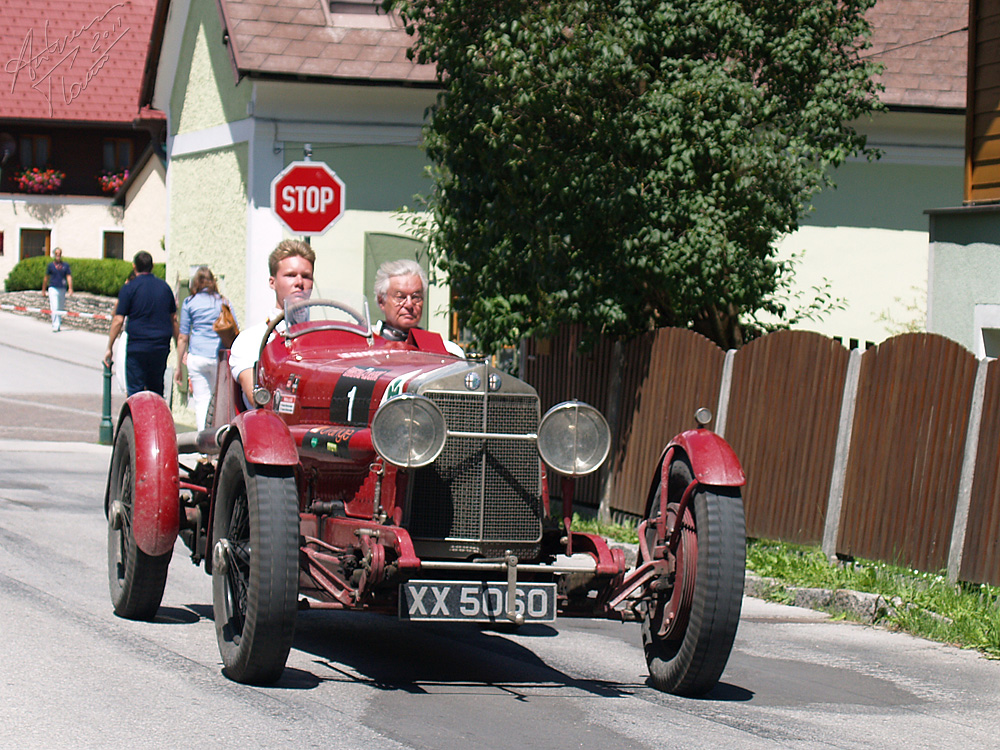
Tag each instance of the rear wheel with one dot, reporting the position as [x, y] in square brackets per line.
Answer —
[689, 627]
[136, 580]
[255, 567]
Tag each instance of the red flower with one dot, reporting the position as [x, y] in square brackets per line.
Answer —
[37, 180]
[111, 182]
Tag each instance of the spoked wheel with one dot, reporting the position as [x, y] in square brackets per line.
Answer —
[136, 579]
[689, 627]
[255, 568]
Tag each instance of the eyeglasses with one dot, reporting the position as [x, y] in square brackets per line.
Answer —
[399, 298]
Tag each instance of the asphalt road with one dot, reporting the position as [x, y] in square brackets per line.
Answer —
[51, 384]
[72, 675]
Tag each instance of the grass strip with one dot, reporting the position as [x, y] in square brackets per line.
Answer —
[923, 604]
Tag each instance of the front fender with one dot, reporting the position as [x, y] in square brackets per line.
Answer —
[156, 505]
[713, 460]
[266, 438]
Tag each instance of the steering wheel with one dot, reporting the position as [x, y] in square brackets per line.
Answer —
[358, 317]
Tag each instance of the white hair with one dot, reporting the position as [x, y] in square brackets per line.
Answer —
[390, 268]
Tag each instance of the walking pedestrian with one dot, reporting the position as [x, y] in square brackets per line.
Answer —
[58, 282]
[198, 344]
[151, 309]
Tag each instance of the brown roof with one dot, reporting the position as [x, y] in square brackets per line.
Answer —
[922, 45]
[302, 38]
[80, 61]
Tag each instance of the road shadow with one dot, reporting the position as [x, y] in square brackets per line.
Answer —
[386, 654]
[725, 692]
[181, 615]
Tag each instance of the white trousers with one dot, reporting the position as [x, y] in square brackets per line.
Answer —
[57, 301]
[201, 373]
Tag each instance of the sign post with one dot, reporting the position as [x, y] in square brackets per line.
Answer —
[307, 197]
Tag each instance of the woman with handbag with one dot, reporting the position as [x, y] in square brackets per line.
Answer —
[200, 339]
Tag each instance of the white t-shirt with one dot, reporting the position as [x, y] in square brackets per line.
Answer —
[245, 351]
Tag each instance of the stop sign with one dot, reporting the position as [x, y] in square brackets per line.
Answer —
[307, 197]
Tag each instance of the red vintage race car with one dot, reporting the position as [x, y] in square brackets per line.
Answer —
[394, 477]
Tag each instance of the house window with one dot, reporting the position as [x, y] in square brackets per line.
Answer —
[354, 6]
[986, 321]
[1, 244]
[35, 242]
[33, 151]
[114, 245]
[117, 154]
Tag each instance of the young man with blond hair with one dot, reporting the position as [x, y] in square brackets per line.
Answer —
[291, 267]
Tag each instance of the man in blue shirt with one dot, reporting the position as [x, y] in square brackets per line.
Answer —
[151, 309]
[58, 283]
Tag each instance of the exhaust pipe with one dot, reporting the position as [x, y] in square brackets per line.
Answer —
[207, 441]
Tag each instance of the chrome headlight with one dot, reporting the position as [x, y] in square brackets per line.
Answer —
[409, 431]
[574, 438]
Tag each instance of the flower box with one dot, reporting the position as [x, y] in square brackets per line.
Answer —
[111, 182]
[37, 180]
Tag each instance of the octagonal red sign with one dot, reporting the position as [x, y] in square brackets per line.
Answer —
[307, 197]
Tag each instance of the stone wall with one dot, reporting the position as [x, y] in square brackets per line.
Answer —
[84, 303]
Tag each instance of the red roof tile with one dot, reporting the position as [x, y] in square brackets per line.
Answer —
[81, 61]
[922, 45]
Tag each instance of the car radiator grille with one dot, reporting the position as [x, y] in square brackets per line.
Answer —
[482, 495]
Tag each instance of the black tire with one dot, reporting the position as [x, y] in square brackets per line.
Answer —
[255, 568]
[687, 656]
[136, 580]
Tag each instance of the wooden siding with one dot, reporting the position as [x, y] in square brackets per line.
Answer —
[905, 458]
[783, 417]
[982, 147]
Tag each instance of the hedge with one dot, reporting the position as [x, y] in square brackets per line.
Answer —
[103, 276]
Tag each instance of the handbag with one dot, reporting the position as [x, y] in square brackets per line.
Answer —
[225, 325]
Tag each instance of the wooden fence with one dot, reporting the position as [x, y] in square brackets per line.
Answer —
[882, 454]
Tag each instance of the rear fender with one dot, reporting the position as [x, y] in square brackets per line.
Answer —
[156, 505]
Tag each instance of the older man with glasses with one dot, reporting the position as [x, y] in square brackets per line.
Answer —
[400, 291]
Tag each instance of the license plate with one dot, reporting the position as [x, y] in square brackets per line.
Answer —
[475, 601]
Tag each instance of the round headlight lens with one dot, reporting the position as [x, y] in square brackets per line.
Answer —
[574, 438]
[409, 431]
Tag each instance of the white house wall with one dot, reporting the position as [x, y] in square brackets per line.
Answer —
[868, 237]
[145, 212]
[77, 225]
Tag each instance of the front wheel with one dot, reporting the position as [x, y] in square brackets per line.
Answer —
[255, 568]
[689, 626]
[136, 580]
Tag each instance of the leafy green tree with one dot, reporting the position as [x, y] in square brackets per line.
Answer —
[629, 164]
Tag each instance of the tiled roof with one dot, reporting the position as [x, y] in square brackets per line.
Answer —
[923, 46]
[302, 38]
[80, 61]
